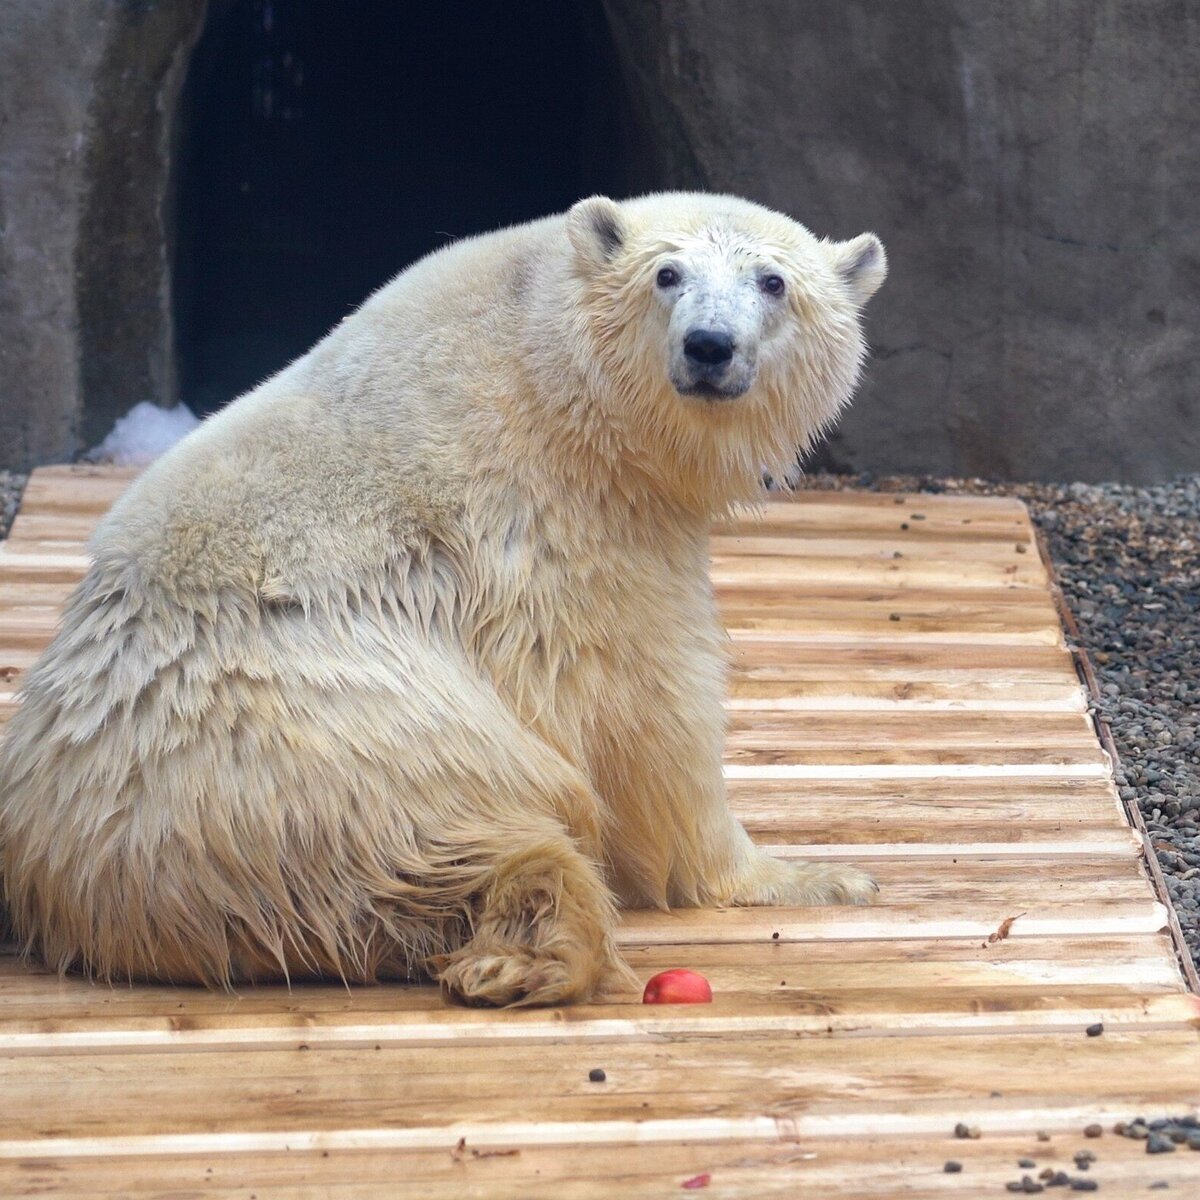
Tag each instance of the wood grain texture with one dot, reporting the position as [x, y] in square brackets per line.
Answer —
[901, 696]
[489, 1167]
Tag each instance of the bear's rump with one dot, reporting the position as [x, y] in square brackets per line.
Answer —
[251, 791]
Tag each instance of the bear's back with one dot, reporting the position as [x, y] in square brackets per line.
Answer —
[324, 468]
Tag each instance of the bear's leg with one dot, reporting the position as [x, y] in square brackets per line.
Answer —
[724, 866]
[673, 839]
[761, 879]
[716, 862]
[544, 929]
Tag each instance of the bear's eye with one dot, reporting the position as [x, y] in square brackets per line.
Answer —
[667, 277]
[772, 285]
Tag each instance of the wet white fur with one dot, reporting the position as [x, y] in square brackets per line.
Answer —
[406, 663]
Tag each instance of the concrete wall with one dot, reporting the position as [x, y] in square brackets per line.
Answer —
[1034, 169]
[1032, 165]
[88, 90]
[48, 56]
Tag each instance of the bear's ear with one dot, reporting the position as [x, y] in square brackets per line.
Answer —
[862, 264]
[597, 231]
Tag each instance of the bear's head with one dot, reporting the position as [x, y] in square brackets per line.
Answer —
[728, 334]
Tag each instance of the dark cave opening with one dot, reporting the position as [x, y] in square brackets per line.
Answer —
[323, 147]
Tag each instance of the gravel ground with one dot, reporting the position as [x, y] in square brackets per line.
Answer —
[11, 487]
[1128, 560]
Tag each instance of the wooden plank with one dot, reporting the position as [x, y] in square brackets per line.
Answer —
[804, 516]
[966, 917]
[842, 507]
[947, 730]
[922, 615]
[63, 562]
[862, 1166]
[746, 570]
[897, 771]
[28, 626]
[866, 1011]
[72, 528]
[984, 842]
[57, 560]
[850, 818]
[805, 674]
[45, 561]
[888, 989]
[60, 1104]
[799, 659]
[832, 695]
[884, 674]
[818, 696]
[901, 696]
[68, 530]
[30, 595]
[31, 998]
[979, 615]
[76, 487]
[803, 545]
[1138, 958]
[765, 761]
[54, 507]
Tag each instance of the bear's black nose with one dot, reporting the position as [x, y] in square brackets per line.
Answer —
[708, 346]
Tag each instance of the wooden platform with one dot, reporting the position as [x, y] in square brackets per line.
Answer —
[903, 698]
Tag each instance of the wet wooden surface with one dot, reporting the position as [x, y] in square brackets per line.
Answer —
[902, 697]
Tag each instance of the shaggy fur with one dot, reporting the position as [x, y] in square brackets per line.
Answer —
[406, 663]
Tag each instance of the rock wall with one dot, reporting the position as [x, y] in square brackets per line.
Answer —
[88, 90]
[1033, 167]
[48, 57]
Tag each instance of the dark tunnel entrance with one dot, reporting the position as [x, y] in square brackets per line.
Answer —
[325, 146]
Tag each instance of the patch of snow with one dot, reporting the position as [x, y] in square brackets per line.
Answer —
[143, 433]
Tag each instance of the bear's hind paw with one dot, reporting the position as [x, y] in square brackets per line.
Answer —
[499, 975]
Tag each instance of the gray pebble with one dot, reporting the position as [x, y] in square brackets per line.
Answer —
[11, 487]
[1156, 1143]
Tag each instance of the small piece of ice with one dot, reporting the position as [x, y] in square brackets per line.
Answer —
[143, 433]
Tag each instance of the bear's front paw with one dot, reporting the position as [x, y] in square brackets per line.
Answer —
[775, 881]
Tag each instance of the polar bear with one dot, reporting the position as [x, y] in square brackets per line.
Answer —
[407, 664]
